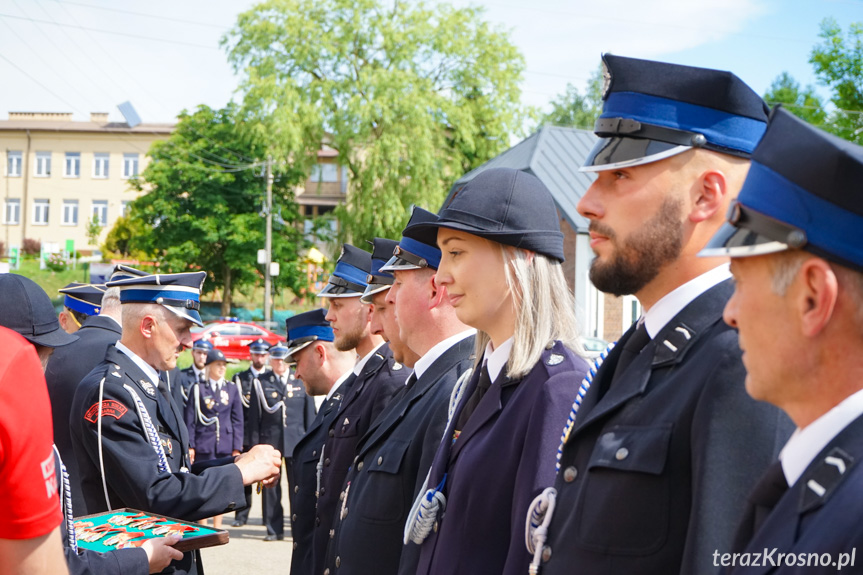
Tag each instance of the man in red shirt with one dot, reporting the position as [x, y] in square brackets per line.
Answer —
[29, 533]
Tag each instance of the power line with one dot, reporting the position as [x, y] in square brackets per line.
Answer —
[153, 16]
[112, 32]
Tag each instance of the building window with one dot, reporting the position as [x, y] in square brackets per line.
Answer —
[43, 164]
[325, 173]
[100, 165]
[40, 212]
[130, 166]
[12, 213]
[70, 212]
[100, 212]
[73, 165]
[13, 164]
[124, 208]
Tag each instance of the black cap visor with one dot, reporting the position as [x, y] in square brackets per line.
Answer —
[624, 152]
[749, 233]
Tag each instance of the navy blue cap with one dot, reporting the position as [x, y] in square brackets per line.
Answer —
[304, 328]
[655, 110]
[418, 246]
[178, 293]
[507, 206]
[28, 310]
[215, 355]
[83, 298]
[378, 280]
[801, 192]
[122, 272]
[260, 345]
[349, 277]
[202, 345]
[279, 351]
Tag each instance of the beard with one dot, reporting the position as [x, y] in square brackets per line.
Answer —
[640, 257]
[349, 340]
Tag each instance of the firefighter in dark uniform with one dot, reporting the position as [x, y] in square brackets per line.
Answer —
[128, 435]
[324, 371]
[378, 378]
[194, 373]
[279, 413]
[258, 353]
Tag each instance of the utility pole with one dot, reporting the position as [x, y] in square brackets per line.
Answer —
[268, 247]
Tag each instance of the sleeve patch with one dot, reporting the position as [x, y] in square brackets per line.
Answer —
[109, 407]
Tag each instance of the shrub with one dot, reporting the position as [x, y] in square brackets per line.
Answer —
[55, 262]
[31, 247]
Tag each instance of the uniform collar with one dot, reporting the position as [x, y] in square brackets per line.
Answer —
[495, 359]
[805, 444]
[429, 357]
[338, 384]
[674, 301]
[358, 368]
[148, 370]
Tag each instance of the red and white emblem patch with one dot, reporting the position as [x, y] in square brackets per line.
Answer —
[109, 407]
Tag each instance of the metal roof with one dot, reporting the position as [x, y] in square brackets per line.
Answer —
[553, 154]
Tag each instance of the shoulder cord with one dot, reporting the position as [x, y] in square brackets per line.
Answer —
[149, 429]
[319, 471]
[239, 385]
[541, 509]
[99, 441]
[266, 406]
[429, 503]
[66, 498]
[203, 418]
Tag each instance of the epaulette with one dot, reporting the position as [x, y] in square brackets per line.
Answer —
[824, 479]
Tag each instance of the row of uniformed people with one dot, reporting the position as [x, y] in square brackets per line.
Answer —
[648, 469]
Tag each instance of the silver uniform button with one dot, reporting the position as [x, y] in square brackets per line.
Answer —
[621, 454]
[380, 460]
[360, 466]
[569, 474]
[546, 554]
[338, 561]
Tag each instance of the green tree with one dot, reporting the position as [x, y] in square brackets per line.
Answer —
[93, 229]
[574, 109]
[838, 64]
[803, 103]
[202, 208]
[409, 96]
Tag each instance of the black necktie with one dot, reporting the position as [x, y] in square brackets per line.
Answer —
[631, 349]
[764, 497]
[412, 379]
[482, 386]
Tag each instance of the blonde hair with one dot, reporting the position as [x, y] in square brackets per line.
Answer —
[544, 310]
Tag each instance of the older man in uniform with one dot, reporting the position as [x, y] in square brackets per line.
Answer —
[397, 451]
[666, 443]
[795, 237]
[279, 413]
[377, 378]
[324, 371]
[258, 353]
[129, 437]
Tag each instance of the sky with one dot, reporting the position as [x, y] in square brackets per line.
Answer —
[163, 56]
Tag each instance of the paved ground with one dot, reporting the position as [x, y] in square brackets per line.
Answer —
[247, 552]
